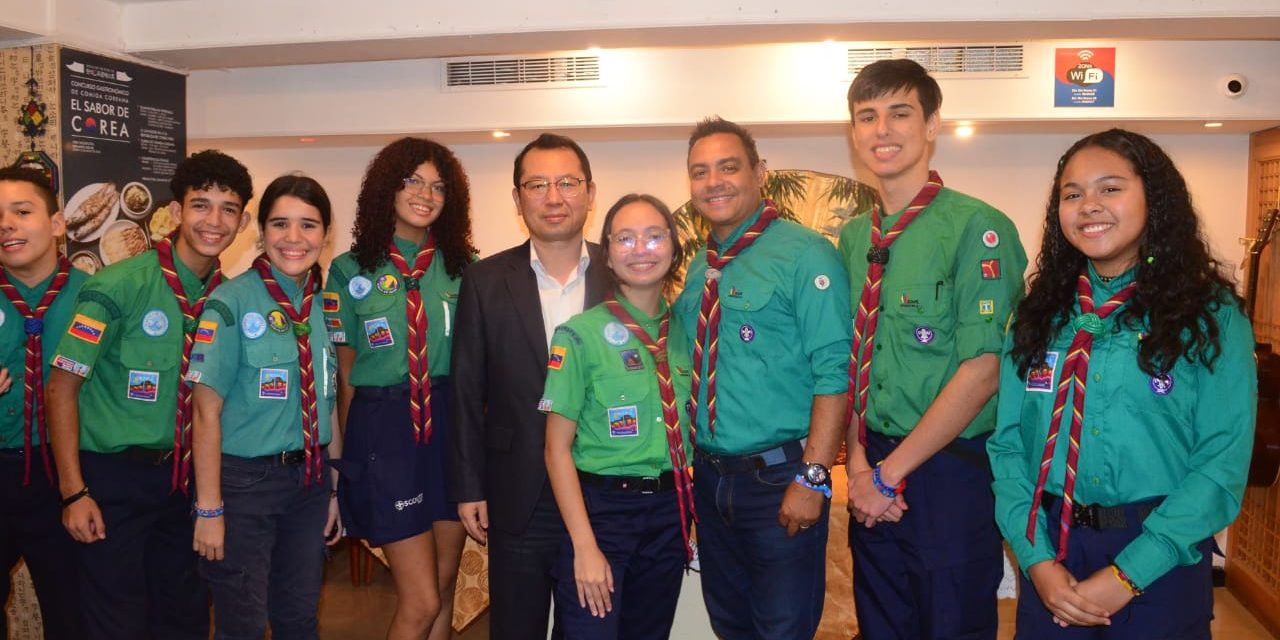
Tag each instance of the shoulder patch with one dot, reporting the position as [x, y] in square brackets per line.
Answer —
[223, 311]
[98, 297]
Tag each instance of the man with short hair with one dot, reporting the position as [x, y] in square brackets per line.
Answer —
[766, 309]
[936, 274]
[508, 307]
[37, 290]
[120, 414]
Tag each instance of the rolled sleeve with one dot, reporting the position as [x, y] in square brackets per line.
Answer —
[823, 315]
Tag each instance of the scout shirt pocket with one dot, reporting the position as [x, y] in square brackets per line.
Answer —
[621, 399]
[922, 312]
[747, 311]
[373, 321]
[272, 360]
[1165, 404]
[149, 361]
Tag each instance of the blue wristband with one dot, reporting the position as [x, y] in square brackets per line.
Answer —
[884, 489]
[820, 488]
[209, 513]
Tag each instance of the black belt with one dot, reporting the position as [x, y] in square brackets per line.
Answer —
[1098, 517]
[786, 452]
[634, 484]
[143, 455]
[14, 454]
[395, 391]
[283, 459]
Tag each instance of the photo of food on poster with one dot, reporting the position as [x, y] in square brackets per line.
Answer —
[124, 132]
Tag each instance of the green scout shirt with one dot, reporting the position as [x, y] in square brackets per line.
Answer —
[366, 311]
[125, 339]
[603, 378]
[1141, 439]
[13, 348]
[246, 350]
[953, 278]
[784, 336]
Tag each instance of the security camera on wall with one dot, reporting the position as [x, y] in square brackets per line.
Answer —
[1234, 85]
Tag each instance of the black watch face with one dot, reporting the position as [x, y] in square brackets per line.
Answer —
[816, 474]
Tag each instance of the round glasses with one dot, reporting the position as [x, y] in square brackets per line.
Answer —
[651, 239]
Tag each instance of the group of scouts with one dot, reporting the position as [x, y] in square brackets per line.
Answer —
[561, 403]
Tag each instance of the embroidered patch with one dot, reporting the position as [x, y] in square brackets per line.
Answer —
[923, 334]
[558, 354]
[1, 317]
[192, 376]
[378, 333]
[332, 323]
[197, 357]
[991, 269]
[273, 384]
[253, 325]
[1162, 384]
[338, 337]
[359, 287]
[544, 405]
[277, 321]
[71, 366]
[330, 302]
[86, 328]
[986, 307]
[388, 284]
[624, 422]
[747, 333]
[1040, 377]
[206, 331]
[631, 360]
[143, 385]
[734, 292]
[990, 239]
[822, 282]
[155, 323]
[616, 334]
[908, 301]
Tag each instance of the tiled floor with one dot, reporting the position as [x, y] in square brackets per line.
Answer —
[357, 613]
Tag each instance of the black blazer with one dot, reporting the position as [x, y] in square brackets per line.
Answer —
[498, 370]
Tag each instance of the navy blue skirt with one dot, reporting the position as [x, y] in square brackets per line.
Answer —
[390, 488]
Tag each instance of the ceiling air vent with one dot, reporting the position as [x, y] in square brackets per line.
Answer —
[546, 72]
[968, 61]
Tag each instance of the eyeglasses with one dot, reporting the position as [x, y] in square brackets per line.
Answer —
[651, 239]
[568, 187]
[415, 185]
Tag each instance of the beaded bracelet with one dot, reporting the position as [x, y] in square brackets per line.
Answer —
[215, 512]
[1124, 580]
[884, 489]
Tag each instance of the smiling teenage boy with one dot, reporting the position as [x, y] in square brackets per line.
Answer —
[39, 288]
[121, 417]
[934, 275]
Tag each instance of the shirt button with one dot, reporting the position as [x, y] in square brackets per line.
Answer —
[658, 419]
[1097, 377]
[275, 358]
[746, 305]
[879, 387]
[373, 457]
[622, 397]
[879, 347]
[1096, 431]
[149, 364]
[1095, 481]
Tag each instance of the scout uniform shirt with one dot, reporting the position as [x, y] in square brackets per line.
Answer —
[245, 350]
[125, 338]
[953, 278]
[1187, 435]
[784, 336]
[602, 377]
[366, 311]
[13, 352]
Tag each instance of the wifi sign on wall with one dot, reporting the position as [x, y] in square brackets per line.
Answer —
[1085, 77]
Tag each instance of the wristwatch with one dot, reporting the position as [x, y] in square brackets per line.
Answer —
[817, 474]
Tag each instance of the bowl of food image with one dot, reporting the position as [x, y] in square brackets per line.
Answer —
[135, 200]
[86, 261]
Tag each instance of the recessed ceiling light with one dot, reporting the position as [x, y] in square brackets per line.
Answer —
[501, 134]
[1212, 125]
[965, 131]
[964, 123]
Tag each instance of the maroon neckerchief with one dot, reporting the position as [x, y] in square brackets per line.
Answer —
[300, 318]
[415, 313]
[868, 316]
[670, 412]
[190, 312]
[33, 370]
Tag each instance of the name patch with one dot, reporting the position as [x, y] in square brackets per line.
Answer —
[71, 366]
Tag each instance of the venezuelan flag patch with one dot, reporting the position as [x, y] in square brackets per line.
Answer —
[330, 302]
[557, 358]
[86, 328]
[206, 331]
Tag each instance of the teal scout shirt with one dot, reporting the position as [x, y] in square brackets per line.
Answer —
[125, 339]
[366, 311]
[13, 348]
[1189, 439]
[247, 353]
[953, 278]
[603, 378]
[784, 336]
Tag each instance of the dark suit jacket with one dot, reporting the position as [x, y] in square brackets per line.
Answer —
[498, 370]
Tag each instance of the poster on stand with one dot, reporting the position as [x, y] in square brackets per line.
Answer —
[123, 134]
[1085, 77]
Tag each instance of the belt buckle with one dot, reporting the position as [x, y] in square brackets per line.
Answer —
[1085, 516]
[649, 485]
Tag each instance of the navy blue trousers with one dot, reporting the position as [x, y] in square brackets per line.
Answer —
[31, 529]
[273, 563]
[934, 574]
[639, 534]
[140, 583]
[757, 582]
[1177, 606]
